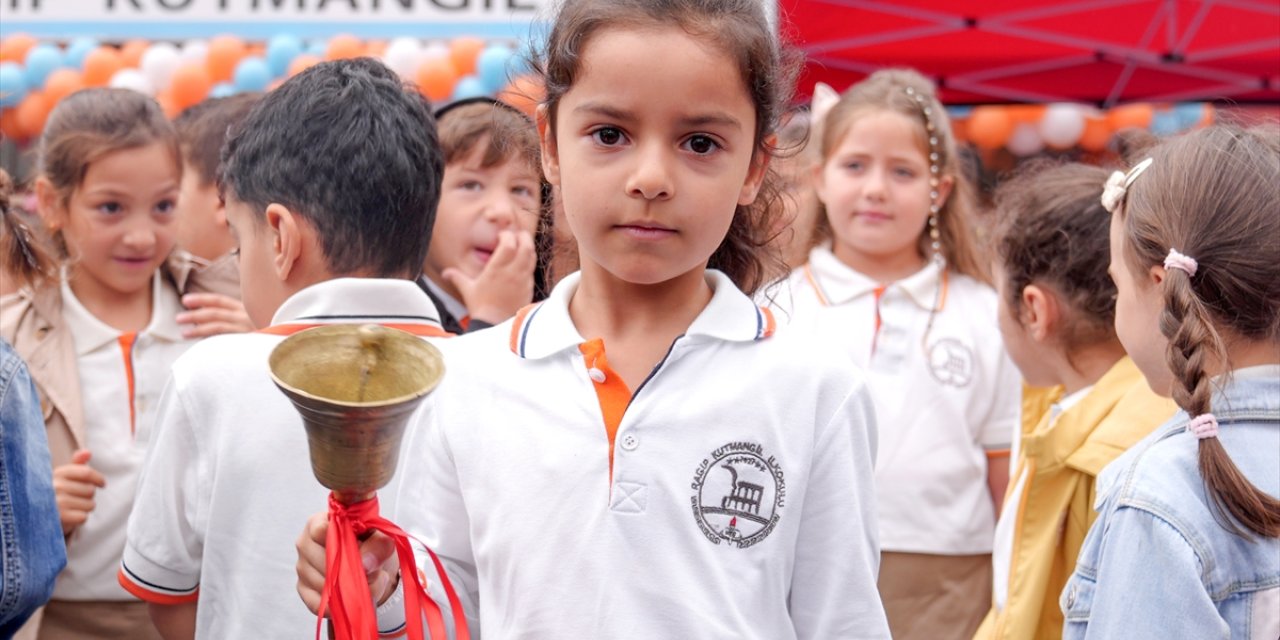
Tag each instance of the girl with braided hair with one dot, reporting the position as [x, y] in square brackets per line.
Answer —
[1187, 541]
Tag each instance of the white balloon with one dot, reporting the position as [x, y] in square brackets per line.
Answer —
[1025, 140]
[435, 51]
[195, 51]
[132, 79]
[158, 63]
[1062, 125]
[403, 56]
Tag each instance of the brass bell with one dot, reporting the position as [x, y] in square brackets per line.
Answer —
[355, 387]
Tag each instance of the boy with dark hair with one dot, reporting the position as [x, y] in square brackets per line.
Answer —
[481, 266]
[203, 234]
[331, 185]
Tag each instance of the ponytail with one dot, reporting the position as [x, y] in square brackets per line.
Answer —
[23, 254]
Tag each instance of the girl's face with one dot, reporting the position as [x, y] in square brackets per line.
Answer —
[119, 224]
[653, 150]
[1138, 307]
[875, 185]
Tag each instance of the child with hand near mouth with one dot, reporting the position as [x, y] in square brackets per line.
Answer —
[480, 268]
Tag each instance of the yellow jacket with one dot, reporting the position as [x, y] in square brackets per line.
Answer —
[1056, 506]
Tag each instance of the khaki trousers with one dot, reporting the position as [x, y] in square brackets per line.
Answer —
[928, 597]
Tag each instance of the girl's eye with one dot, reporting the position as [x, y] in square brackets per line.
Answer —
[607, 136]
[702, 145]
[165, 206]
[236, 252]
[853, 166]
[905, 173]
[523, 192]
[110, 208]
[471, 185]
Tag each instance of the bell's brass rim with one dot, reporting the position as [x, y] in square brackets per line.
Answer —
[431, 353]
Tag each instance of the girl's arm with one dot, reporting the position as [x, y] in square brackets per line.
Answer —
[833, 592]
[174, 621]
[997, 478]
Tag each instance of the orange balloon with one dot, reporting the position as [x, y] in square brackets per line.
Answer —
[132, 52]
[275, 84]
[100, 64]
[225, 52]
[343, 46]
[10, 126]
[1130, 115]
[62, 83]
[1030, 113]
[32, 113]
[170, 106]
[15, 47]
[1097, 133]
[524, 93]
[191, 84]
[464, 52]
[436, 78]
[302, 63]
[990, 126]
[375, 48]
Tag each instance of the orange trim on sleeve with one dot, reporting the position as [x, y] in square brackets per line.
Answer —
[613, 394]
[517, 324]
[999, 453]
[126, 347]
[147, 595]
[421, 330]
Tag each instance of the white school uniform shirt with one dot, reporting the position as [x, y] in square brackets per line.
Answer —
[228, 487]
[121, 377]
[734, 501]
[945, 401]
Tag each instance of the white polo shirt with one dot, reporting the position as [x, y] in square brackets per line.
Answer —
[733, 499]
[121, 377]
[947, 395]
[227, 486]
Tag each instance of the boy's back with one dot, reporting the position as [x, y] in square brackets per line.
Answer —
[331, 188]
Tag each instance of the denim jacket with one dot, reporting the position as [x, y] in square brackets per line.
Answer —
[31, 547]
[1158, 562]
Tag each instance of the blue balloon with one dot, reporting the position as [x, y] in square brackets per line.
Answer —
[222, 90]
[960, 111]
[469, 87]
[1164, 123]
[318, 47]
[281, 50]
[42, 60]
[492, 67]
[252, 74]
[1189, 114]
[13, 86]
[77, 50]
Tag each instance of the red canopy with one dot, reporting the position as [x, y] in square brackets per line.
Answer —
[1097, 51]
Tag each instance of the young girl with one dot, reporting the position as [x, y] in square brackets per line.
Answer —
[899, 288]
[1187, 542]
[1057, 316]
[99, 336]
[637, 456]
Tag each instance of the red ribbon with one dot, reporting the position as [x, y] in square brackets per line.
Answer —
[346, 588]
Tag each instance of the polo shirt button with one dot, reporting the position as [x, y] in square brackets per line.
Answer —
[630, 442]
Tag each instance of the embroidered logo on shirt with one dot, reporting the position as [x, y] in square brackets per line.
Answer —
[951, 362]
[739, 492]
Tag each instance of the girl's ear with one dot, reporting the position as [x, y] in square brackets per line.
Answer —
[52, 211]
[550, 154]
[945, 185]
[756, 173]
[1041, 312]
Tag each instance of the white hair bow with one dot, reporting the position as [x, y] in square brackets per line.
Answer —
[1118, 184]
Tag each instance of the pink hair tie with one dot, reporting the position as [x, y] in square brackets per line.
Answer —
[1176, 260]
[1204, 426]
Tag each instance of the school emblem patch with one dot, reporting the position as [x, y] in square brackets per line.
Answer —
[738, 494]
[951, 362]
